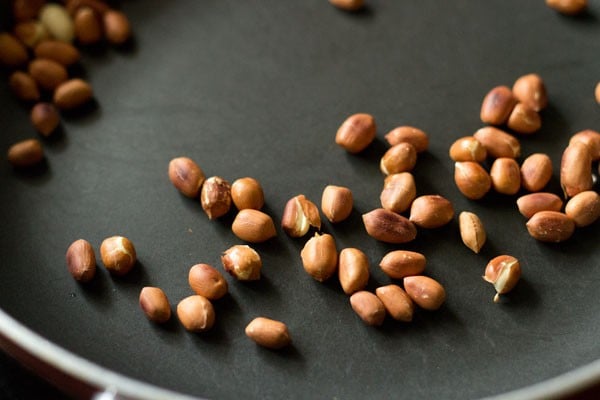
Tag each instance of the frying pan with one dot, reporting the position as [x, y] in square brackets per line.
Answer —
[258, 89]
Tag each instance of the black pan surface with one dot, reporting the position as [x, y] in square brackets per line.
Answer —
[259, 88]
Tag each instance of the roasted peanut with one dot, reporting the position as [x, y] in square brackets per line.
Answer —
[497, 105]
[536, 172]
[268, 333]
[247, 193]
[356, 132]
[399, 191]
[186, 176]
[568, 7]
[196, 313]
[498, 143]
[408, 134]
[12, 53]
[26, 153]
[116, 27]
[242, 262]
[471, 179]
[506, 176]
[57, 21]
[530, 90]
[24, 86]
[591, 139]
[299, 215]
[467, 149]
[63, 53]
[45, 118]
[81, 260]
[353, 270]
[431, 211]
[524, 119]
[550, 226]
[253, 226]
[72, 94]
[584, 208]
[576, 169]
[319, 257]
[206, 281]
[87, 26]
[398, 264]
[155, 304]
[387, 226]
[47, 73]
[118, 255]
[215, 197]
[399, 158]
[336, 203]
[472, 231]
[368, 307]
[428, 293]
[532, 203]
[396, 302]
[503, 272]
[348, 5]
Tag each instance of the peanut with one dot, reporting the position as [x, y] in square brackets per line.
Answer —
[247, 193]
[12, 53]
[576, 169]
[299, 215]
[206, 281]
[336, 203]
[72, 94]
[186, 176]
[584, 208]
[532, 203]
[118, 255]
[431, 211]
[45, 118]
[26, 153]
[368, 307]
[24, 86]
[497, 105]
[389, 227]
[348, 5]
[242, 262]
[268, 333]
[356, 133]
[550, 226]
[253, 226]
[55, 50]
[530, 90]
[524, 119]
[88, 30]
[506, 176]
[196, 313]
[30, 33]
[116, 27]
[467, 149]
[396, 302]
[48, 73]
[25, 10]
[503, 272]
[399, 158]
[398, 264]
[536, 172]
[399, 191]
[471, 179]
[215, 197]
[353, 270]
[426, 292]
[319, 257]
[155, 304]
[568, 7]
[81, 260]
[472, 231]
[498, 143]
[591, 139]
[58, 22]
[408, 134]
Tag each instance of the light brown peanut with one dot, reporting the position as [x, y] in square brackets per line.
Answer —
[532, 203]
[206, 281]
[592, 139]
[47, 73]
[399, 191]
[472, 231]
[497, 105]
[253, 226]
[247, 193]
[215, 197]
[584, 208]
[368, 307]
[524, 119]
[81, 260]
[268, 333]
[353, 270]
[72, 94]
[530, 90]
[550, 226]
[408, 134]
[319, 257]
[399, 158]
[396, 302]
[57, 21]
[88, 29]
[356, 132]
[506, 176]
[116, 27]
[426, 292]
[568, 7]
[471, 179]
[24, 86]
[431, 211]
[498, 143]
[387, 226]
[536, 172]
[196, 313]
[26, 153]
[242, 262]
[467, 149]
[503, 272]
[186, 176]
[45, 118]
[398, 264]
[337, 203]
[576, 169]
[299, 215]
[118, 255]
[155, 304]
[12, 53]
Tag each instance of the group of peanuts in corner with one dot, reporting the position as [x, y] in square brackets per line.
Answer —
[39, 54]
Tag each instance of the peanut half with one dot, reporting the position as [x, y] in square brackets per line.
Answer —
[299, 215]
[472, 231]
[503, 272]
[389, 227]
[242, 262]
[268, 333]
[506, 175]
[398, 264]
[215, 197]
[368, 307]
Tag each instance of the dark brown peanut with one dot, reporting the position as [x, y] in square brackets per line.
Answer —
[45, 118]
[399, 158]
[24, 86]
[532, 203]
[399, 191]
[247, 193]
[399, 264]
[268, 333]
[26, 153]
[206, 281]
[428, 293]
[387, 226]
[155, 304]
[356, 132]
[498, 143]
[186, 176]
[72, 94]
[536, 172]
[116, 27]
[408, 134]
[319, 257]
[353, 270]
[118, 255]
[12, 53]
[524, 119]
[530, 90]
[215, 197]
[81, 260]
[550, 226]
[506, 176]
[368, 307]
[576, 169]
[467, 149]
[431, 211]
[196, 313]
[471, 179]
[497, 105]
[396, 302]
[584, 208]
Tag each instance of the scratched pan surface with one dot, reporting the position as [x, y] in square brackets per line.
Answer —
[259, 89]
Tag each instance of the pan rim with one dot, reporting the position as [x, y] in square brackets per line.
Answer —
[86, 371]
